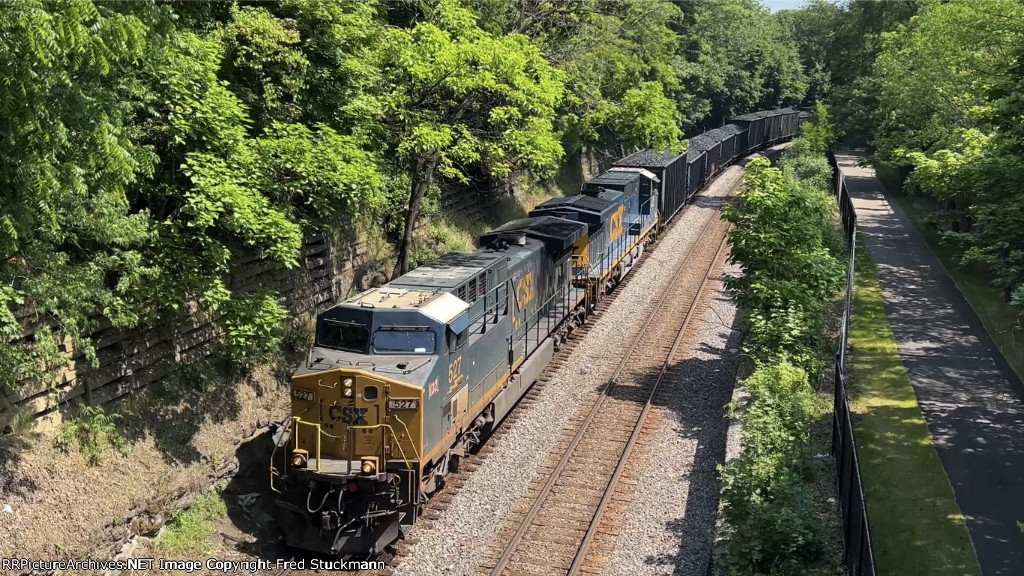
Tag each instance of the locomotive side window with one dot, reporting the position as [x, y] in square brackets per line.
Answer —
[391, 341]
[456, 339]
[343, 336]
[370, 393]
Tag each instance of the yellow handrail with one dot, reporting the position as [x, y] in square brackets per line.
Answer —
[383, 458]
[318, 431]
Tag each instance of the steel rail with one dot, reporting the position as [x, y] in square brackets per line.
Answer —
[581, 553]
[511, 547]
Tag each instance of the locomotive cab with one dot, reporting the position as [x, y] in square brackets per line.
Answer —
[349, 461]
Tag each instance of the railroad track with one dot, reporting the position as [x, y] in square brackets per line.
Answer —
[440, 501]
[559, 531]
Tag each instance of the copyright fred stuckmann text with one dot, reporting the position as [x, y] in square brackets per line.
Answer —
[208, 565]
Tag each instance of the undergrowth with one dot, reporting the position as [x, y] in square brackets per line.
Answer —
[786, 240]
[93, 432]
[189, 531]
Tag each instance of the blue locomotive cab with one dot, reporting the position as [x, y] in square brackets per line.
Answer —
[638, 187]
[613, 208]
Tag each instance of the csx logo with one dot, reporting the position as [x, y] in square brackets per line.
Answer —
[616, 228]
[349, 415]
[525, 293]
[525, 290]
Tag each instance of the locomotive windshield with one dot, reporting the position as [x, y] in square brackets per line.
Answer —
[403, 340]
[343, 336]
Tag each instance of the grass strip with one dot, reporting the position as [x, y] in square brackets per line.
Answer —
[917, 527]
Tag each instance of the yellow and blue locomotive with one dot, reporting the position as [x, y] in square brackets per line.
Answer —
[405, 379]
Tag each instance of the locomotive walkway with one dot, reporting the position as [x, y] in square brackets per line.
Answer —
[972, 400]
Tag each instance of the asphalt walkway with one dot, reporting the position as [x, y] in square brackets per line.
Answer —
[972, 400]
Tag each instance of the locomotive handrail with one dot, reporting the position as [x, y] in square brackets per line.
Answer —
[298, 420]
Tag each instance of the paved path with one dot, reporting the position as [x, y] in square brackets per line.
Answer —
[972, 400]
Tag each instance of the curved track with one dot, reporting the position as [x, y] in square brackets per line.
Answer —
[557, 534]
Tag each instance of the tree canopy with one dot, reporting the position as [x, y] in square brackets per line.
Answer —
[934, 87]
[146, 147]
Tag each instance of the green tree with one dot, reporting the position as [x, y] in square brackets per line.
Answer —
[70, 241]
[458, 96]
[814, 28]
[856, 43]
[739, 58]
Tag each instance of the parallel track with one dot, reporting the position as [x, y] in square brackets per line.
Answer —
[568, 512]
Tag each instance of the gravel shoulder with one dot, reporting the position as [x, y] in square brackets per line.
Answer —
[669, 528]
[457, 542]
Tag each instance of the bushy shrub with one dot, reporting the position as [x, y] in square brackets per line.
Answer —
[92, 431]
[806, 165]
[793, 334]
[771, 529]
[781, 409]
[253, 327]
[770, 521]
[787, 241]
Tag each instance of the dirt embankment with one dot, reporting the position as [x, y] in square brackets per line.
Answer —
[170, 443]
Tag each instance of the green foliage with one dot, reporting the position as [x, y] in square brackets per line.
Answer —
[129, 194]
[458, 96]
[936, 87]
[93, 432]
[935, 74]
[148, 148]
[815, 27]
[253, 327]
[790, 263]
[786, 240]
[622, 85]
[821, 133]
[855, 43]
[738, 58]
[189, 532]
[647, 118]
[67, 166]
[771, 526]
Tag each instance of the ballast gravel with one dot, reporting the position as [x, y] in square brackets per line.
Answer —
[669, 529]
[457, 542]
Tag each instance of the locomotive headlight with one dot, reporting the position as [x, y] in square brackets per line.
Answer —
[348, 392]
[368, 466]
[299, 458]
[347, 382]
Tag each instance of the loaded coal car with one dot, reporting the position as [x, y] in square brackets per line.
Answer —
[709, 153]
[768, 127]
[669, 170]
